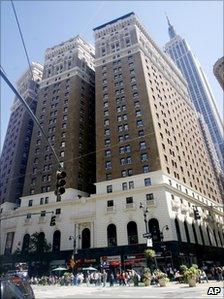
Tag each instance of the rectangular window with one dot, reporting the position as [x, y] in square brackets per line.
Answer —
[124, 186]
[41, 201]
[108, 165]
[139, 123]
[42, 213]
[107, 153]
[28, 216]
[46, 200]
[145, 168]
[109, 189]
[129, 200]
[30, 203]
[110, 203]
[142, 145]
[147, 182]
[149, 196]
[57, 211]
[144, 157]
[131, 185]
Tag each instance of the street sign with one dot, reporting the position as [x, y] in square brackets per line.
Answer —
[147, 235]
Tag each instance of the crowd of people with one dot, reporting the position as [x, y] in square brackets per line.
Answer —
[121, 278]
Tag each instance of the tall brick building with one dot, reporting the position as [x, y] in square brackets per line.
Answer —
[18, 136]
[66, 110]
[144, 117]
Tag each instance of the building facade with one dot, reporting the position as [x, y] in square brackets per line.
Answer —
[150, 151]
[198, 88]
[66, 110]
[218, 70]
[18, 136]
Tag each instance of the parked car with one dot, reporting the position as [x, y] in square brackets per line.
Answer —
[15, 286]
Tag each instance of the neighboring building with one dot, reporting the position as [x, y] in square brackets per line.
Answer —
[66, 110]
[17, 140]
[149, 150]
[198, 87]
[218, 70]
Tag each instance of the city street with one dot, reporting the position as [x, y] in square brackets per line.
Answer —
[172, 290]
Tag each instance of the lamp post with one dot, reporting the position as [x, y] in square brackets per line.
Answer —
[163, 246]
[147, 234]
[75, 237]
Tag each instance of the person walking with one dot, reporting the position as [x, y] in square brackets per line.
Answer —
[104, 277]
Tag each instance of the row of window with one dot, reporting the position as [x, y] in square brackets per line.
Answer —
[147, 182]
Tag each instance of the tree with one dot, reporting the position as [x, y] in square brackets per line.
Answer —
[150, 256]
[38, 243]
[38, 249]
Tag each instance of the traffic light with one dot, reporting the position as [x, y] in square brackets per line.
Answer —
[196, 214]
[60, 177]
[53, 221]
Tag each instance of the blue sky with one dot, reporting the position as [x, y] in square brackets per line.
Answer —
[47, 23]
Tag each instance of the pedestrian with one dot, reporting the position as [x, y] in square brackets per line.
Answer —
[111, 277]
[104, 277]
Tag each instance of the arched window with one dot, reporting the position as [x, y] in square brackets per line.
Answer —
[154, 229]
[85, 238]
[202, 236]
[56, 241]
[177, 226]
[209, 237]
[195, 234]
[187, 232]
[132, 233]
[41, 239]
[111, 235]
[26, 242]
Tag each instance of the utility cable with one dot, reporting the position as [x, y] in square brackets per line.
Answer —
[23, 42]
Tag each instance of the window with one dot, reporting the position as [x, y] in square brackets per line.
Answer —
[46, 200]
[138, 113]
[122, 161]
[41, 201]
[28, 216]
[139, 123]
[140, 133]
[142, 145]
[129, 200]
[108, 165]
[124, 186]
[62, 154]
[128, 160]
[57, 211]
[147, 182]
[123, 173]
[109, 189]
[149, 196]
[110, 203]
[42, 213]
[107, 153]
[122, 150]
[131, 185]
[30, 203]
[144, 157]
[106, 122]
[145, 168]
[63, 144]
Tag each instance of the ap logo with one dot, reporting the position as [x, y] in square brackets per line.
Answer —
[214, 290]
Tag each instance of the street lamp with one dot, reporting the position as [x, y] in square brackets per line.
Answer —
[74, 244]
[163, 247]
[147, 234]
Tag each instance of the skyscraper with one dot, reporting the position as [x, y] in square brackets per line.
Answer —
[66, 110]
[17, 141]
[218, 70]
[198, 87]
[144, 118]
